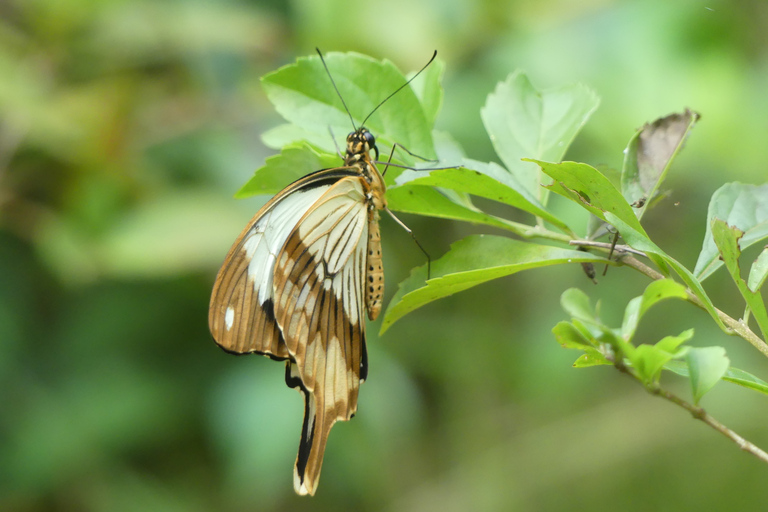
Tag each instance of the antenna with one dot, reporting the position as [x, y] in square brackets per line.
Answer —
[383, 101]
[336, 88]
[401, 87]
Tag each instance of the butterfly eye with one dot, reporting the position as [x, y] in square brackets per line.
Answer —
[369, 138]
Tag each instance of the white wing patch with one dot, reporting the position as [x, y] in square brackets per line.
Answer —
[229, 317]
[268, 235]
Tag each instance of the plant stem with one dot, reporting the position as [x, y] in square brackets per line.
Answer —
[607, 246]
[698, 413]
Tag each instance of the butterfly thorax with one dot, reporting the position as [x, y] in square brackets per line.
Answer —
[359, 145]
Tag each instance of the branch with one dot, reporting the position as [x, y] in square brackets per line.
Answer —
[620, 249]
[696, 411]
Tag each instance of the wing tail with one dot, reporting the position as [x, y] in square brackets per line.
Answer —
[318, 421]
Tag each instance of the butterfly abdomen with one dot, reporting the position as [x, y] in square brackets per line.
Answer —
[374, 271]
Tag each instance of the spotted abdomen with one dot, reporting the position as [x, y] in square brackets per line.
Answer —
[374, 272]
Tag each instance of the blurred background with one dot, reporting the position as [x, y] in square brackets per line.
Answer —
[126, 127]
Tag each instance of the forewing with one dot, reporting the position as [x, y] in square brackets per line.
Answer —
[319, 306]
[241, 315]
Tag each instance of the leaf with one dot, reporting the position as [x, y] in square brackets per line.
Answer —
[293, 162]
[590, 357]
[472, 261]
[586, 320]
[758, 271]
[577, 304]
[733, 375]
[304, 95]
[707, 366]
[648, 360]
[568, 336]
[671, 343]
[641, 242]
[741, 206]
[524, 122]
[727, 241]
[424, 200]
[655, 292]
[649, 156]
[480, 183]
[289, 134]
[584, 185]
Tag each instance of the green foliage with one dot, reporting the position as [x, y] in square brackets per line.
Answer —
[280, 170]
[655, 292]
[473, 261]
[706, 366]
[727, 241]
[742, 206]
[480, 179]
[304, 95]
[524, 122]
[758, 271]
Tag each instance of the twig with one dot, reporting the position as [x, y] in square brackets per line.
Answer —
[621, 249]
[697, 412]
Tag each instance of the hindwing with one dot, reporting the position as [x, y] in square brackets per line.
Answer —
[320, 308]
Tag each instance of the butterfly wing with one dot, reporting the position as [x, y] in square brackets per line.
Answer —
[241, 315]
[319, 305]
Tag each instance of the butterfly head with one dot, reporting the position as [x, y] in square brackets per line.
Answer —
[359, 143]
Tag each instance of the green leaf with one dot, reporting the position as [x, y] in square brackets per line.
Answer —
[292, 163]
[304, 95]
[524, 122]
[671, 343]
[424, 200]
[655, 292]
[707, 366]
[577, 304]
[741, 206]
[733, 375]
[289, 134]
[587, 321]
[483, 182]
[648, 360]
[569, 336]
[758, 271]
[584, 185]
[727, 241]
[590, 357]
[641, 242]
[649, 156]
[472, 261]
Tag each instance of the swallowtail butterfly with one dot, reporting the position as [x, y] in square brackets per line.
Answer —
[298, 282]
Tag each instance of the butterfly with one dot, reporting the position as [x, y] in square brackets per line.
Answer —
[298, 282]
